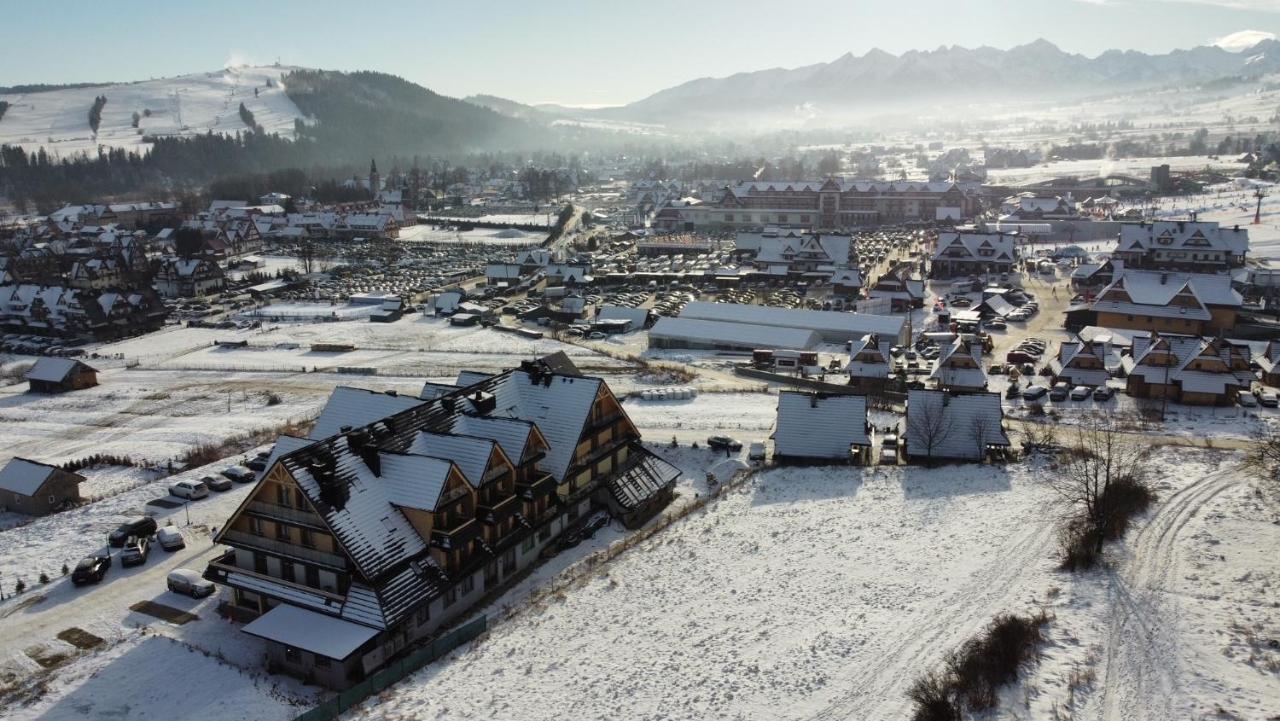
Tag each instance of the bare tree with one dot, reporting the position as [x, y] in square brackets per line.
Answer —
[1037, 434]
[307, 255]
[1101, 479]
[927, 422]
[1263, 457]
[984, 431]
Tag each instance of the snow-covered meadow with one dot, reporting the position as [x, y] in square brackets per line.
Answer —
[187, 105]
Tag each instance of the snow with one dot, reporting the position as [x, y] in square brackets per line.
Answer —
[186, 105]
[310, 631]
[479, 236]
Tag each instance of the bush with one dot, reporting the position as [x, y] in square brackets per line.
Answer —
[273, 399]
[1081, 539]
[19, 587]
[44, 578]
[65, 570]
[100, 459]
[975, 672]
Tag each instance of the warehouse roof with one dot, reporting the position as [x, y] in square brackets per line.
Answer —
[856, 324]
[738, 335]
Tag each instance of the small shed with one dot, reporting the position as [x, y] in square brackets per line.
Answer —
[59, 375]
[37, 489]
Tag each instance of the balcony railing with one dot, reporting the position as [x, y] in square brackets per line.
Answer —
[270, 545]
[497, 512]
[285, 513]
[220, 567]
[456, 537]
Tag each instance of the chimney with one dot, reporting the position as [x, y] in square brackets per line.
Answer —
[392, 393]
[1164, 278]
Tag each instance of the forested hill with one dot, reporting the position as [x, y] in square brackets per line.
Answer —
[361, 114]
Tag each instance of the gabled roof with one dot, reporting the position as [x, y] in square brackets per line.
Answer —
[1000, 245]
[26, 477]
[820, 426]
[469, 453]
[54, 370]
[959, 420]
[357, 407]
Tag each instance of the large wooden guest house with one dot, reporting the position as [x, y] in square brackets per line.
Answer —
[398, 514]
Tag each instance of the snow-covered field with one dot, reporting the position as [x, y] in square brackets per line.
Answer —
[1138, 167]
[822, 593]
[58, 120]
[513, 237]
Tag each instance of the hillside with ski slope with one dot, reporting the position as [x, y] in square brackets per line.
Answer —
[186, 105]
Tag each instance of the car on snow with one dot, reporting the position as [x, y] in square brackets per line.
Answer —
[1080, 393]
[889, 450]
[256, 464]
[189, 583]
[91, 569]
[724, 442]
[1103, 393]
[170, 539]
[190, 490]
[1060, 391]
[144, 526]
[239, 474]
[1267, 398]
[1034, 393]
[756, 451]
[1247, 400]
[216, 483]
[135, 552]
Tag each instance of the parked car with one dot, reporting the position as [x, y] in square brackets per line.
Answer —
[889, 450]
[1034, 393]
[1269, 399]
[723, 442]
[1060, 391]
[1246, 400]
[142, 527]
[170, 539]
[190, 490]
[256, 464]
[135, 552]
[91, 569]
[216, 483]
[239, 474]
[1080, 393]
[1103, 393]
[996, 324]
[189, 583]
[756, 451]
[1021, 356]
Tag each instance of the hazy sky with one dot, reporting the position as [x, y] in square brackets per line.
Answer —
[571, 51]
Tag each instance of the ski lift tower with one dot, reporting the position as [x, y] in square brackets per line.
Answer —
[1257, 214]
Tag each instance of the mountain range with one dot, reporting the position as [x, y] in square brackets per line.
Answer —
[881, 80]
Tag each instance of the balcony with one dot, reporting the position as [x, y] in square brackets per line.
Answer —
[457, 537]
[285, 513]
[219, 569]
[498, 512]
[280, 548]
[543, 485]
[602, 421]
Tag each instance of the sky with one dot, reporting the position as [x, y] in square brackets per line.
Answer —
[583, 52]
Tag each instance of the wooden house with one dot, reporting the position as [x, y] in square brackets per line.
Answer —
[37, 489]
[60, 375]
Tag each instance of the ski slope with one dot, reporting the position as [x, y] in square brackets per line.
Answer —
[194, 104]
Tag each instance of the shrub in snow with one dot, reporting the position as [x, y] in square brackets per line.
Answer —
[44, 578]
[19, 587]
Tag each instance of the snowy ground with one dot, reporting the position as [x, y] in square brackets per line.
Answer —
[187, 105]
[478, 236]
[821, 593]
[1137, 167]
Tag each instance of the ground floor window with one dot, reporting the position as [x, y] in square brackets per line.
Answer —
[527, 545]
[468, 585]
[451, 597]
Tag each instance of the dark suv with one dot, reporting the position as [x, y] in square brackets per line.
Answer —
[91, 569]
[141, 527]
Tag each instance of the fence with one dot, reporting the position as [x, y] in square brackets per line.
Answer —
[394, 671]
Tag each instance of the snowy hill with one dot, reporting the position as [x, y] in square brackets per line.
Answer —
[192, 104]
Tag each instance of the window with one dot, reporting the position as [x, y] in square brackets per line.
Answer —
[308, 538]
[259, 562]
[782, 217]
[451, 596]
[423, 614]
[255, 526]
[286, 571]
[282, 495]
[291, 654]
[321, 661]
[527, 545]
[313, 576]
[468, 585]
[282, 532]
[544, 533]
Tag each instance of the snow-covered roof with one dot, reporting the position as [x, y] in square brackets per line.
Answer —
[854, 325]
[25, 477]
[982, 247]
[1153, 292]
[470, 454]
[735, 335]
[946, 426]
[53, 370]
[636, 317]
[820, 426]
[310, 631]
[356, 407]
[1182, 235]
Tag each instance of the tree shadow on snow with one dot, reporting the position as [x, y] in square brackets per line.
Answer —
[955, 479]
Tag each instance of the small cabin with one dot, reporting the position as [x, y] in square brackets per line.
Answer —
[60, 375]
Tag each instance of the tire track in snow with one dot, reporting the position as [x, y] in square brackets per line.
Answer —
[879, 692]
[1141, 676]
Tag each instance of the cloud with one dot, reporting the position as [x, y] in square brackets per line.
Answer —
[1242, 40]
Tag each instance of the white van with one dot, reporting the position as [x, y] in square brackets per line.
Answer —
[189, 583]
[756, 452]
[170, 539]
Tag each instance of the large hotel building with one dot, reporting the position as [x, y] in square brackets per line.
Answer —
[833, 204]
